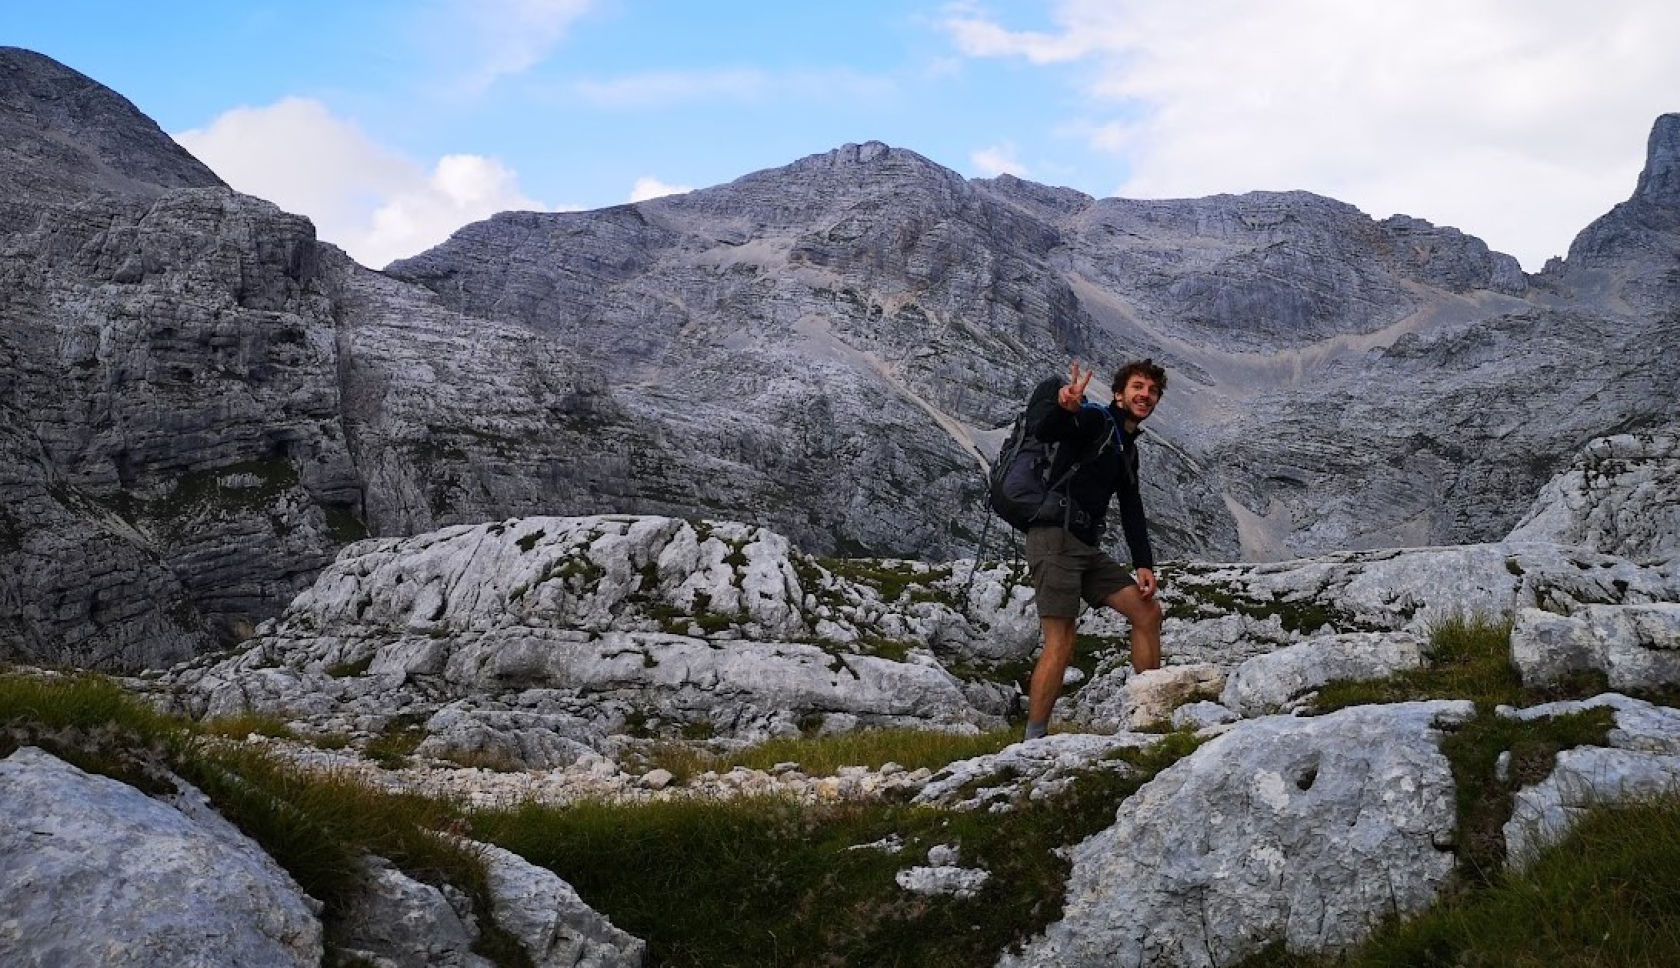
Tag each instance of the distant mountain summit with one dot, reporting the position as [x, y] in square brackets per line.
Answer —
[64, 136]
[200, 402]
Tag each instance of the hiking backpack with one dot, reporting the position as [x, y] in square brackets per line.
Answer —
[1019, 489]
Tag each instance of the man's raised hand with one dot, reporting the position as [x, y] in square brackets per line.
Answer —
[1073, 394]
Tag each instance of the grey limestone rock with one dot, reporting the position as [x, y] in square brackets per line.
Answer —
[396, 920]
[961, 882]
[1641, 762]
[1301, 831]
[561, 630]
[1637, 645]
[1620, 495]
[98, 875]
[1271, 683]
[554, 926]
[1034, 769]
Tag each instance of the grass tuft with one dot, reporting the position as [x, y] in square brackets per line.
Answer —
[824, 755]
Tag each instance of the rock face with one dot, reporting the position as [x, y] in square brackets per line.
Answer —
[64, 136]
[1620, 494]
[532, 640]
[200, 402]
[1210, 862]
[542, 642]
[98, 875]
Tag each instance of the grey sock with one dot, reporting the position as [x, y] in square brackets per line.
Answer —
[1037, 730]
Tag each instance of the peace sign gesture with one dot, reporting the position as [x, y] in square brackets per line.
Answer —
[1073, 394]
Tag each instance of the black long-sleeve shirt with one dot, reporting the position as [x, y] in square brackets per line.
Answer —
[1109, 470]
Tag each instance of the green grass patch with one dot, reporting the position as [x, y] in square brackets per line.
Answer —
[1484, 801]
[247, 724]
[1205, 598]
[889, 578]
[705, 882]
[1468, 657]
[1604, 898]
[348, 670]
[393, 747]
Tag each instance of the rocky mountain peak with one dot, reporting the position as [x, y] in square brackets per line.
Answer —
[1659, 183]
[1640, 238]
[64, 136]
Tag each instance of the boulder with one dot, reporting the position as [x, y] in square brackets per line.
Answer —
[99, 875]
[1272, 683]
[1310, 832]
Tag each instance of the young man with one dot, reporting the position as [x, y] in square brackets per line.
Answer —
[1064, 559]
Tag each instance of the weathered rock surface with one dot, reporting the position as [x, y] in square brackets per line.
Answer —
[98, 875]
[1032, 770]
[530, 641]
[550, 921]
[1641, 762]
[397, 920]
[1620, 495]
[1271, 683]
[1636, 646]
[1304, 831]
[538, 643]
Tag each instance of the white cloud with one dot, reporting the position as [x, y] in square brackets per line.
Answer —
[647, 187]
[997, 160]
[376, 204]
[481, 41]
[1517, 121]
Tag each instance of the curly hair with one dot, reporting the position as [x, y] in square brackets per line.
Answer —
[1144, 367]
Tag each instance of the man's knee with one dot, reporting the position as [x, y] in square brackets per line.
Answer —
[1130, 602]
[1150, 613]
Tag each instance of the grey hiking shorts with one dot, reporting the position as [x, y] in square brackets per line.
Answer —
[1065, 570]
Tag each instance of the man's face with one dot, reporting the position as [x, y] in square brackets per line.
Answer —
[1138, 397]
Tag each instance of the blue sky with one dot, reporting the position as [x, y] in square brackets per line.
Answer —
[392, 124]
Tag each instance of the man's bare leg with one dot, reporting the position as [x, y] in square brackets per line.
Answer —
[1047, 674]
[1145, 616]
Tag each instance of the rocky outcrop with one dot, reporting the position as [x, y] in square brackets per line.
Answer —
[1270, 683]
[98, 875]
[1620, 495]
[396, 919]
[1640, 762]
[1628, 252]
[1636, 646]
[1328, 825]
[549, 634]
[542, 642]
